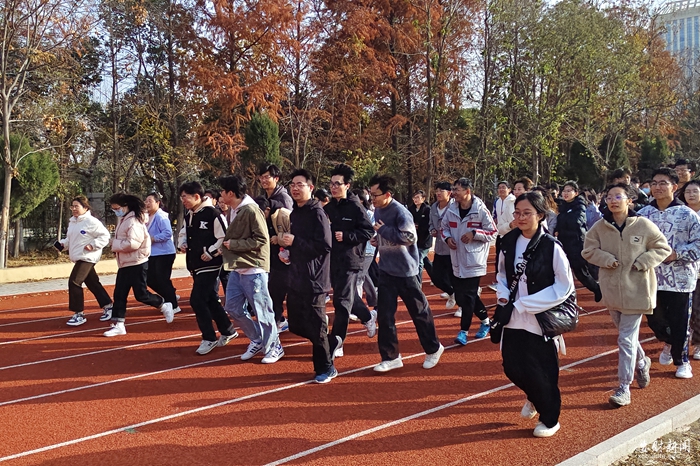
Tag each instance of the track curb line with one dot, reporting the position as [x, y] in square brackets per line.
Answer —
[638, 436]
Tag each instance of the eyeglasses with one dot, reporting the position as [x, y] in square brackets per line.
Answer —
[568, 191]
[297, 185]
[617, 198]
[660, 184]
[682, 170]
[335, 184]
[264, 177]
[374, 196]
[517, 214]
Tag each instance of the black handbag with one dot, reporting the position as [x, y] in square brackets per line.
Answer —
[559, 319]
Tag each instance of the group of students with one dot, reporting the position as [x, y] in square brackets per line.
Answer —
[277, 248]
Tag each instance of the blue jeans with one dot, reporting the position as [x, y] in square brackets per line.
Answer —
[253, 290]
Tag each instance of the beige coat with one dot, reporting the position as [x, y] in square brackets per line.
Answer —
[131, 244]
[628, 289]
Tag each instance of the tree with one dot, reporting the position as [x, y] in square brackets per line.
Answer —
[262, 139]
[37, 39]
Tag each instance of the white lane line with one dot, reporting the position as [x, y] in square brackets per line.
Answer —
[427, 412]
[188, 412]
[91, 353]
[276, 390]
[5, 311]
[148, 374]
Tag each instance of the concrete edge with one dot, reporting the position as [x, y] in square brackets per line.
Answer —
[638, 436]
[63, 270]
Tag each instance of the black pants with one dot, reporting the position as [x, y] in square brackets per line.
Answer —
[128, 278]
[442, 273]
[307, 318]
[207, 307]
[467, 297]
[669, 322]
[346, 300]
[160, 268]
[499, 242]
[278, 286]
[409, 289]
[84, 272]
[532, 364]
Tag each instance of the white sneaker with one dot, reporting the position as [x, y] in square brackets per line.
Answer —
[354, 318]
[106, 313]
[444, 295]
[696, 353]
[494, 286]
[542, 430]
[225, 339]
[338, 352]
[450, 302]
[274, 355]
[371, 325]
[116, 330]
[167, 310]
[431, 360]
[528, 411]
[176, 310]
[177, 297]
[254, 347]
[458, 312]
[328, 299]
[478, 292]
[684, 371]
[77, 319]
[665, 358]
[390, 365]
[206, 346]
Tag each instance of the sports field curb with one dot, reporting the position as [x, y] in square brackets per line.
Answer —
[638, 436]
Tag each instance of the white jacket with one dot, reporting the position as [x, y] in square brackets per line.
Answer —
[469, 259]
[503, 210]
[84, 230]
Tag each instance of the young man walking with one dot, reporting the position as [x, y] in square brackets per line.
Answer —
[442, 262]
[278, 198]
[676, 277]
[398, 276]
[309, 245]
[201, 239]
[351, 230]
[246, 251]
[468, 230]
[421, 218]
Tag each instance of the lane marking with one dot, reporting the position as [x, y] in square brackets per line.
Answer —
[280, 389]
[162, 371]
[424, 413]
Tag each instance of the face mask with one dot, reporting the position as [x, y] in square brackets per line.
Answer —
[646, 190]
[118, 212]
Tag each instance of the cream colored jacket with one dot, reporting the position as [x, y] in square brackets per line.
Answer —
[631, 286]
[131, 244]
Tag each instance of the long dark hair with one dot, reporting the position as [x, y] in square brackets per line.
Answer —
[133, 203]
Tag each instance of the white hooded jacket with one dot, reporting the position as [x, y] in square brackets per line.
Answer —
[83, 230]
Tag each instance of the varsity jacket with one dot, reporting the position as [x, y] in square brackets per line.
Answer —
[204, 233]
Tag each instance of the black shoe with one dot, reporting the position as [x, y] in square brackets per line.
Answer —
[597, 295]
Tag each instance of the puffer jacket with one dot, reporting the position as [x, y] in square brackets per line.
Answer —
[469, 259]
[640, 244]
[132, 243]
[441, 248]
[84, 230]
[571, 228]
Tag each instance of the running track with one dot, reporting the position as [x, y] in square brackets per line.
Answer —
[69, 396]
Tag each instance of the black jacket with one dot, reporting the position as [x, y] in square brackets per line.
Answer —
[571, 228]
[421, 217]
[310, 252]
[279, 198]
[540, 268]
[348, 216]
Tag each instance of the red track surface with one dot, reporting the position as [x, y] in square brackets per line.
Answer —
[69, 396]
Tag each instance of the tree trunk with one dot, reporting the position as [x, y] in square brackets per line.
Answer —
[5, 216]
[18, 238]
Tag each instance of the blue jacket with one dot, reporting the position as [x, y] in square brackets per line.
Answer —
[161, 234]
[398, 251]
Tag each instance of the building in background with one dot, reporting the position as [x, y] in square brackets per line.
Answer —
[682, 21]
